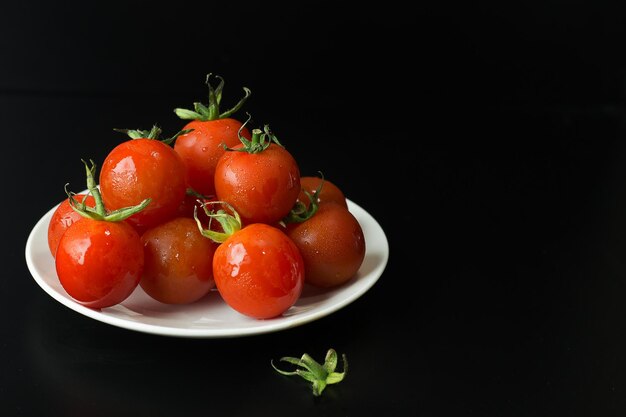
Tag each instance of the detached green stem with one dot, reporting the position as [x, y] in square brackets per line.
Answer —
[319, 375]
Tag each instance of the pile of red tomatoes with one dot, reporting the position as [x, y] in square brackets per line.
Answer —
[217, 206]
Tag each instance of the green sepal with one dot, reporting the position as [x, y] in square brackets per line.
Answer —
[211, 111]
[300, 212]
[230, 223]
[260, 141]
[187, 114]
[153, 133]
[319, 375]
[99, 212]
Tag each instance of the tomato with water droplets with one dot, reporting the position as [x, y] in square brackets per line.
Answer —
[329, 192]
[99, 263]
[99, 259]
[259, 178]
[201, 148]
[259, 271]
[62, 218]
[139, 169]
[210, 130]
[178, 262]
[332, 245]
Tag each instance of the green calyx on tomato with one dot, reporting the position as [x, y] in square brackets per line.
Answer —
[230, 223]
[212, 110]
[300, 212]
[99, 212]
[319, 375]
[154, 133]
[260, 140]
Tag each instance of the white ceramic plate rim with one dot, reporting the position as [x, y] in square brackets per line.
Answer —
[211, 317]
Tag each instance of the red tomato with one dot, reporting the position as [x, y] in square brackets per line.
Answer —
[62, 218]
[201, 148]
[331, 243]
[99, 263]
[262, 187]
[178, 262]
[329, 191]
[144, 168]
[259, 271]
[212, 129]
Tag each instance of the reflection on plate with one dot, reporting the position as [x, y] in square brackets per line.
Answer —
[211, 316]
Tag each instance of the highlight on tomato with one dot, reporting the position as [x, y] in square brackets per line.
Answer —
[209, 130]
[140, 168]
[329, 238]
[62, 218]
[259, 178]
[100, 259]
[178, 262]
[258, 270]
[329, 192]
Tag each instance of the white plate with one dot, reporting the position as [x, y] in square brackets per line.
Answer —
[211, 316]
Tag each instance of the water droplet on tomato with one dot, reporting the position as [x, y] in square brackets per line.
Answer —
[204, 149]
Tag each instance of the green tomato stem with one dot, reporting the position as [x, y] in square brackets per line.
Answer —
[93, 188]
[99, 212]
[230, 223]
[319, 375]
[211, 111]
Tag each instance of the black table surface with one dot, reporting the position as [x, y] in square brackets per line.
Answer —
[487, 141]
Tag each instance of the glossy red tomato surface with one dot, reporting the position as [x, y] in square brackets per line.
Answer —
[144, 168]
[259, 271]
[201, 148]
[62, 218]
[178, 265]
[328, 193]
[332, 245]
[262, 187]
[99, 263]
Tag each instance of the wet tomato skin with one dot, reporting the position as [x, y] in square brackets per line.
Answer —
[62, 218]
[99, 263]
[143, 168]
[201, 148]
[259, 271]
[262, 187]
[178, 262]
[329, 192]
[331, 243]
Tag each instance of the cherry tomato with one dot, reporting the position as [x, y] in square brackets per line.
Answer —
[178, 262]
[211, 129]
[99, 263]
[62, 218]
[259, 271]
[331, 243]
[144, 168]
[201, 148]
[262, 185]
[329, 191]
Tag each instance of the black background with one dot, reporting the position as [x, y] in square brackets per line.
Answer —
[486, 139]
